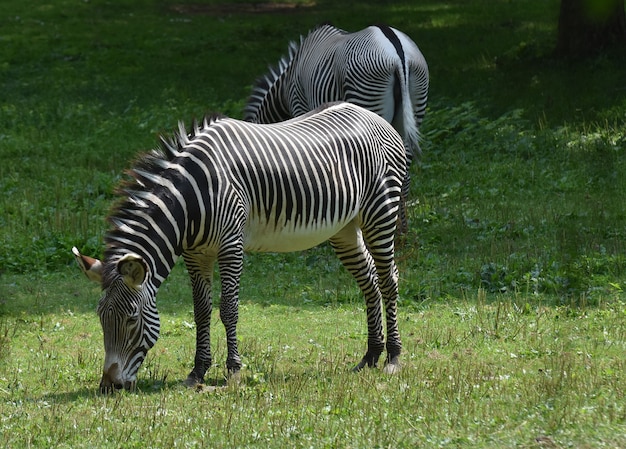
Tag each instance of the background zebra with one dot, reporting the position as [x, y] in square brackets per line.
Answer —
[232, 186]
[378, 68]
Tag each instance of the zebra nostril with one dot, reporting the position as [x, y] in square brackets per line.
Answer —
[104, 388]
[118, 386]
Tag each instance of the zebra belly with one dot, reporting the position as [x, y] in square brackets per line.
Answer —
[264, 236]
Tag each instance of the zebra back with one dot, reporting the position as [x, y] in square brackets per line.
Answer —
[285, 186]
[268, 101]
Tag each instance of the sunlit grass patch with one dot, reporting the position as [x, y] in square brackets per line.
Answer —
[479, 371]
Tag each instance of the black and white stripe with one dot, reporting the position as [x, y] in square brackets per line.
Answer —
[378, 68]
[231, 186]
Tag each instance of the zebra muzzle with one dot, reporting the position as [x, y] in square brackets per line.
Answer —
[111, 380]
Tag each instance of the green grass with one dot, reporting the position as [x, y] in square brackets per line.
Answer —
[512, 309]
[527, 210]
[484, 372]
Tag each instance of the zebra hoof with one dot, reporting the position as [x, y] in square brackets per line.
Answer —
[234, 378]
[368, 360]
[392, 366]
[362, 364]
[193, 382]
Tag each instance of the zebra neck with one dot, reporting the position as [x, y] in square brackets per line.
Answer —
[155, 233]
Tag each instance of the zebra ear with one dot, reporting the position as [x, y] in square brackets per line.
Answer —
[133, 268]
[88, 265]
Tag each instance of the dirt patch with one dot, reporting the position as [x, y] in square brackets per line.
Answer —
[241, 8]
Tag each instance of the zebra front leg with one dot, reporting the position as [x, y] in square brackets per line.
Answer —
[231, 266]
[350, 248]
[201, 273]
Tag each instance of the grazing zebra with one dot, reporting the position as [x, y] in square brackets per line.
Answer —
[232, 186]
[378, 68]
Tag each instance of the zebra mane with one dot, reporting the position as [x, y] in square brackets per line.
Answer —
[146, 174]
[264, 84]
[156, 160]
[171, 146]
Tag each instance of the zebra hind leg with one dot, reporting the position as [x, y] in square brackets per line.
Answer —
[350, 248]
[389, 286]
[378, 234]
[402, 227]
[382, 250]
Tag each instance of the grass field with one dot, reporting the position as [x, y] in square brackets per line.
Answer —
[513, 311]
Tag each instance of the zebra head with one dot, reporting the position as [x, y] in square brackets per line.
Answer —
[128, 315]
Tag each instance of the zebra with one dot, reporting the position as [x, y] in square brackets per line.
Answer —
[230, 186]
[379, 68]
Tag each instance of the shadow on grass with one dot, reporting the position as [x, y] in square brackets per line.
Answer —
[144, 387]
[71, 396]
[213, 384]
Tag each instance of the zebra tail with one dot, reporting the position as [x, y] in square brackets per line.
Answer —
[411, 132]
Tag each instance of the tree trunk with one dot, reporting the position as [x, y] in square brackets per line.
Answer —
[587, 27]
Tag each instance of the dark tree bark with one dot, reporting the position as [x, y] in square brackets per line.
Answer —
[587, 27]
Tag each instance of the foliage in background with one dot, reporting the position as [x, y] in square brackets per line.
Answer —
[527, 190]
[509, 207]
